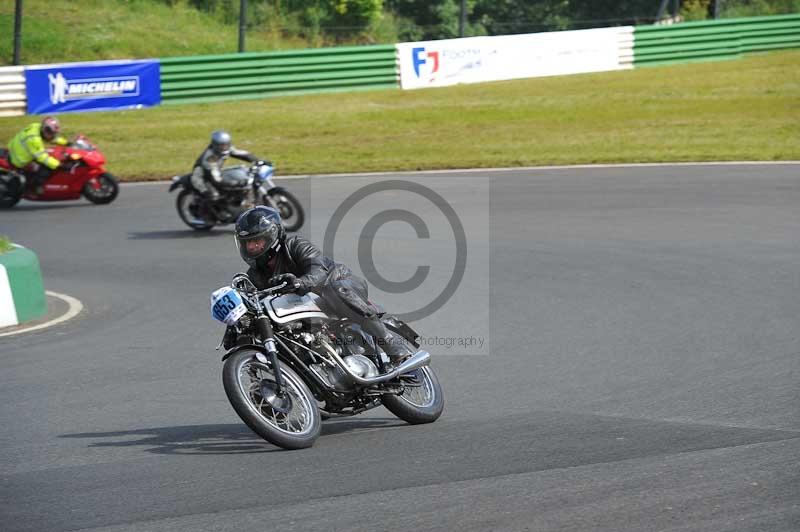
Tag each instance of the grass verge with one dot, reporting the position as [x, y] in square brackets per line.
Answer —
[747, 109]
[61, 31]
[5, 245]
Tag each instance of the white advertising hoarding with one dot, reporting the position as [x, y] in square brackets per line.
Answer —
[477, 59]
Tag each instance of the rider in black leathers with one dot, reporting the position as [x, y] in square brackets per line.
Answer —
[207, 171]
[274, 259]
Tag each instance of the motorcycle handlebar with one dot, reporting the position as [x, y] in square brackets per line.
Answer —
[242, 282]
[271, 290]
[250, 293]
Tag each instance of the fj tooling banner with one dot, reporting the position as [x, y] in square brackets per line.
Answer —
[92, 86]
[477, 59]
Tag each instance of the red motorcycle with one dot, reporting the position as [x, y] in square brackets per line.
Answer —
[87, 177]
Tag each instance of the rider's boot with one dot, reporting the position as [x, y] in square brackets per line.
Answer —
[391, 344]
[38, 178]
[34, 184]
[395, 349]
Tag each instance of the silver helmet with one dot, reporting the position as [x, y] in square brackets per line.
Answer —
[221, 142]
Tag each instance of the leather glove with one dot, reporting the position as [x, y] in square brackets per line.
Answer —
[292, 282]
[69, 164]
[264, 161]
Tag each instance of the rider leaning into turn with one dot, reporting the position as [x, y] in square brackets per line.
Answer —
[27, 150]
[275, 259]
[207, 172]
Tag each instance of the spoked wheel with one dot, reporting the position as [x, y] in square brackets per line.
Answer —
[10, 190]
[422, 401]
[289, 419]
[104, 192]
[288, 206]
[190, 210]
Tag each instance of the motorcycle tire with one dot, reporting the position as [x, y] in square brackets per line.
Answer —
[195, 224]
[109, 187]
[414, 411]
[10, 190]
[288, 206]
[257, 413]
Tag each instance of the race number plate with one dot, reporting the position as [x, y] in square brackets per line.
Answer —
[227, 305]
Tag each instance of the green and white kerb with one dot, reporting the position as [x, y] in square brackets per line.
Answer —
[22, 296]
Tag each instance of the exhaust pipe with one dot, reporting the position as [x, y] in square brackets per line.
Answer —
[416, 361]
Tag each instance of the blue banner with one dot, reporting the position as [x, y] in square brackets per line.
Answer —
[97, 86]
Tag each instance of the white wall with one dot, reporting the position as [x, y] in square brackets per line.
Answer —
[12, 91]
[478, 59]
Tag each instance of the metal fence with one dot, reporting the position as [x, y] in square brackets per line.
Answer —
[714, 40]
[260, 75]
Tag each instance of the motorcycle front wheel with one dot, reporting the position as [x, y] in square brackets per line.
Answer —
[105, 193]
[288, 206]
[189, 209]
[422, 401]
[290, 420]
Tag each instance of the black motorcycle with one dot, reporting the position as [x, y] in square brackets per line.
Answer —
[291, 362]
[241, 188]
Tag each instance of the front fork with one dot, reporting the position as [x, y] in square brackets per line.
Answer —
[93, 180]
[261, 191]
[264, 328]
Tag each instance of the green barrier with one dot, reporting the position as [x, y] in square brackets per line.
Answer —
[714, 40]
[25, 280]
[258, 75]
[215, 78]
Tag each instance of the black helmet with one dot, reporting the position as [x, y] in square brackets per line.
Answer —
[259, 233]
[221, 142]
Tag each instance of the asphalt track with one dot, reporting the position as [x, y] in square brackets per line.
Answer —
[642, 371]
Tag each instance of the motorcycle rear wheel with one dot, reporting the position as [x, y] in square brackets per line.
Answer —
[184, 203]
[420, 404]
[10, 190]
[108, 191]
[245, 378]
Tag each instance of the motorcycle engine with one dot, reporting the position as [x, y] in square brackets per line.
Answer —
[361, 366]
[334, 376]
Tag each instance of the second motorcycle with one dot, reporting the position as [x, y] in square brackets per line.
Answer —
[241, 188]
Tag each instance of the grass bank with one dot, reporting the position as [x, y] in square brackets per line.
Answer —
[730, 110]
[57, 31]
[5, 245]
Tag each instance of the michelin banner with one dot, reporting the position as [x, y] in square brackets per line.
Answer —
[96, 86]
[477, 59]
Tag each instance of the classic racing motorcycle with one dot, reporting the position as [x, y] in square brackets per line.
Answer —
[241, 188]
[87, 177]
[290, 363]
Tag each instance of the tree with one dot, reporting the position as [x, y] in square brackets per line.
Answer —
[354, 13]
[434, 19]
[520, 16]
